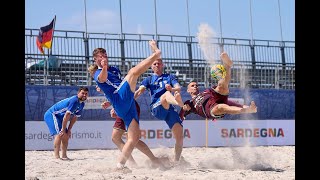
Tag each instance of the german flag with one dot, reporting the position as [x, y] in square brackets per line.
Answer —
[44, 39]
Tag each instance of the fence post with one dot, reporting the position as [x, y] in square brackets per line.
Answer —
[283, 57]
[253, 60]
[123, 59]
[86, 50]
[190, 56]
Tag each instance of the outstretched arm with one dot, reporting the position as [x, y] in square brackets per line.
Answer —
[139, 91]
[176, 87]
[185, 110]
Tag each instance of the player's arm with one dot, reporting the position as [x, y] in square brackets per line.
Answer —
[175, 84]
[113, 113]
[144, 85]
[72, 121]
[185, 110]
[139, 91]
[176, 87]
[65, 120]
[103, 75]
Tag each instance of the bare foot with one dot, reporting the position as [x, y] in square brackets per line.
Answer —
[177, 97]
[65, 159]
[123, 170]
[226, 60]
[251, 109]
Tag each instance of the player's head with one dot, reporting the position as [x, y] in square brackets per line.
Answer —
[157, 66]
[83, 93]
[193, 88]
[99, 54]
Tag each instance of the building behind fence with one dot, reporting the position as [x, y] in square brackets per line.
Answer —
[257, 63]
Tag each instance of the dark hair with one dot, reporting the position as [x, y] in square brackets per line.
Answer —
[83, 88]
[97, 51]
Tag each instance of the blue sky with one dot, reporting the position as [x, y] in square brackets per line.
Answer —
[138, 17]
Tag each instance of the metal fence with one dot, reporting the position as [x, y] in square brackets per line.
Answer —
[257, 63]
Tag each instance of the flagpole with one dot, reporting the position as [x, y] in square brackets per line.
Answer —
[54, 24]
[46, 61]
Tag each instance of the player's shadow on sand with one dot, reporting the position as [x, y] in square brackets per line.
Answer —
[254, 167]
[261, 167]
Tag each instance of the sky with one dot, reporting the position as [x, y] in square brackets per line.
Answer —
[265, 22]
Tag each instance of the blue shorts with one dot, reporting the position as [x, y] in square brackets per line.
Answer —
[54, 122]
[124, 103]
[169, 115]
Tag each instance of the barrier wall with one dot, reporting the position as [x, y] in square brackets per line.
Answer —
[197, 133]
[272, 103]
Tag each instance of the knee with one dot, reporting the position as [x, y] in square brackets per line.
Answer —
[134, 139]
[116, 138]
[221, 107]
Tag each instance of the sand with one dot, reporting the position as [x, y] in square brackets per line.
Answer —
[259, 162]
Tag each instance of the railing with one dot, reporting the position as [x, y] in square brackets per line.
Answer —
[257, 63]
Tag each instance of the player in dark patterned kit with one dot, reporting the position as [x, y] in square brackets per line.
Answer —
[213, 102]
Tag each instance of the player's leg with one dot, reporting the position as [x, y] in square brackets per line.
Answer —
[175, 124]
[223, 83]
[133, 138]
[56, 146]
[167, 98]
[143, 147]
[54, 127]
[142, 67]
[117, 140]
[226, 109]
[64, 146]
[177, 131]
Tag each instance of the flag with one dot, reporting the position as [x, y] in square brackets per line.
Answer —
[44, 39]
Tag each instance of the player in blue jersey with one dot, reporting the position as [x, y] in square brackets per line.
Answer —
[119, 129]
[57, 117]
[161, 87]
[120, 93]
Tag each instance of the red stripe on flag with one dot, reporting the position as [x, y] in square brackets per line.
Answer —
[47, 36]
[39, 45]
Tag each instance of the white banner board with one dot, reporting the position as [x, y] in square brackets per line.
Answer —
[97, 134]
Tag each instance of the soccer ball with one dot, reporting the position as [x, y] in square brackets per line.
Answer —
[218, 71]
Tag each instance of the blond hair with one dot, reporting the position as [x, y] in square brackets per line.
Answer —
[92, 69]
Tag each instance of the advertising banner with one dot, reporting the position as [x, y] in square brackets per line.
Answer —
[196, 133]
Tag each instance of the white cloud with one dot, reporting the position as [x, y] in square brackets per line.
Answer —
[102, 21]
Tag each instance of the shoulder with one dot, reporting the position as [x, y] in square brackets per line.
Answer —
[73, 98]
[171, 76]
[114, 69]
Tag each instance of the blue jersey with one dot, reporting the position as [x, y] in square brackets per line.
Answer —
[71, 104]
[119, 94]
[156, 85]
[113, 81]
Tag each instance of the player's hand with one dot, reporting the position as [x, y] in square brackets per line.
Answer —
[113, 113]
[104, 62]
[153, 45]
[168, 87]
[98, 89]
[61, 133]
[105, 104]
[186, 107]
